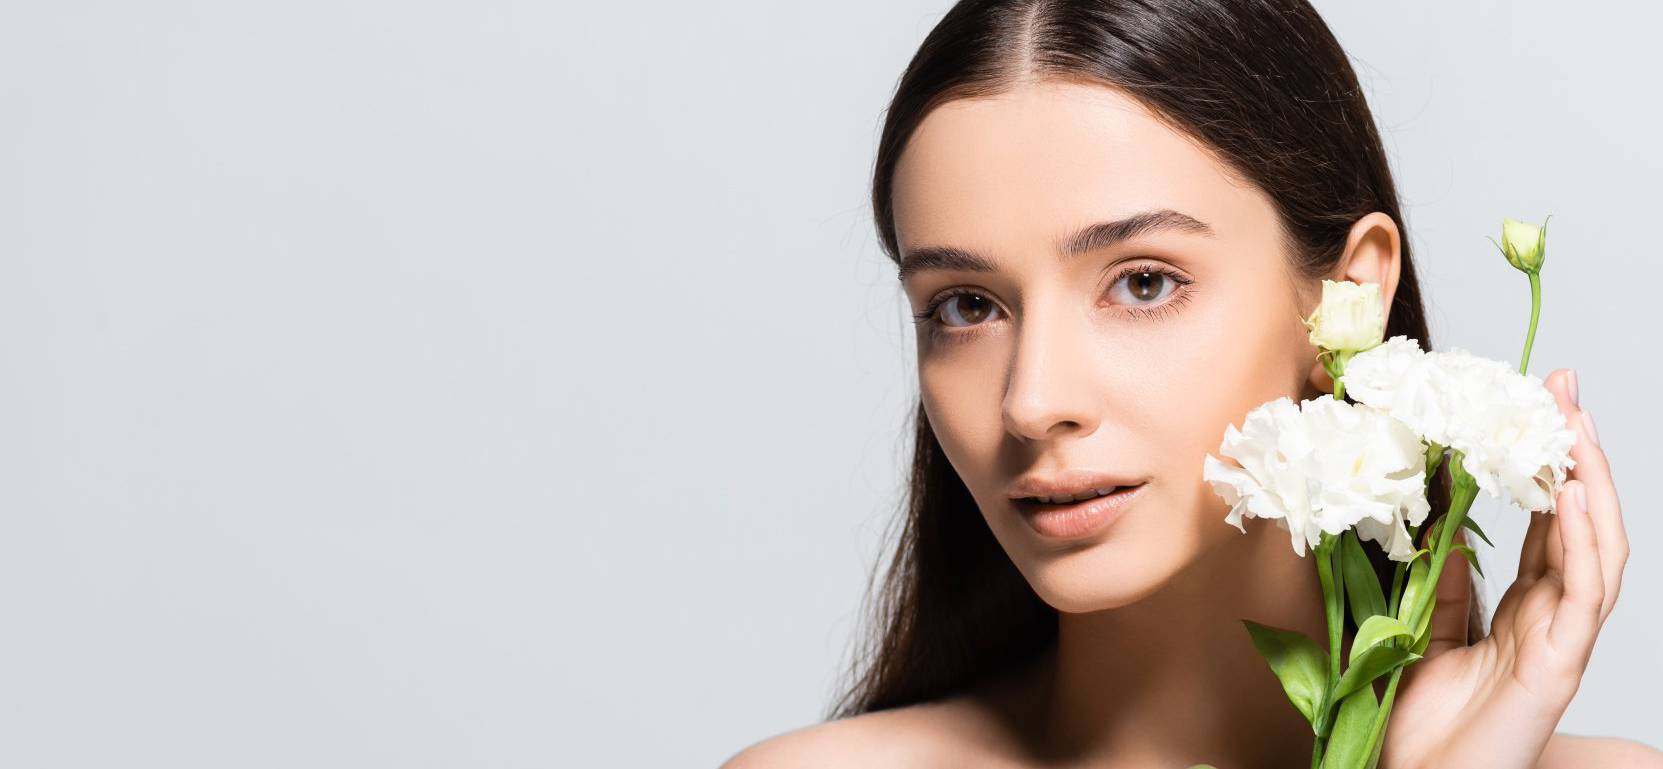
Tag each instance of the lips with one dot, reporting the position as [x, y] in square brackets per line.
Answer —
[1063, 499]
[1069, 483]
[1077, 520]
[1037, 504]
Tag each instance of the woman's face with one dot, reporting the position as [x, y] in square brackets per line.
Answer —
[1125, 354]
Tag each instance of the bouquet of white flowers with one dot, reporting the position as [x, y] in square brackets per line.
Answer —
[1333, 473]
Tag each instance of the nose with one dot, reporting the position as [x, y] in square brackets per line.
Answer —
[1053, 387]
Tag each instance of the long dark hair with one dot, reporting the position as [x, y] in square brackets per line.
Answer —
[1264, 85]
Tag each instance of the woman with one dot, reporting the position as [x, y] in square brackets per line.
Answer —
[1108, 217]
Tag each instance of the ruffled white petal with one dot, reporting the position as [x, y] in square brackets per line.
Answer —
[1506, 424]
[1323, 466]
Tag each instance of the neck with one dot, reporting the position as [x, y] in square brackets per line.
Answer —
[1174, 679]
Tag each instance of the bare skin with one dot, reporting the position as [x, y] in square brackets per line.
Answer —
[1046, 363]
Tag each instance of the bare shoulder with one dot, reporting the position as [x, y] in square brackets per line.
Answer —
[913, 736]
[1565, 751]
[979, 726]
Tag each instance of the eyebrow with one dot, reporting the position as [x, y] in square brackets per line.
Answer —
[1088, 238]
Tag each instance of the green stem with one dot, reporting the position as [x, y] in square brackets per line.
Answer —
[1461, 497]
[1328, 555]
[1462, 493]
[1397, 583]
[1335, 365]
[1378, 728]
[1535, 310]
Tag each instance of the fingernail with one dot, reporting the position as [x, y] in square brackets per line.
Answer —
[1571, 386]
[1588, 424]
[1581, 497]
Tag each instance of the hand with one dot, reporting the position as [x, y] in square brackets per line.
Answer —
[1496, 702]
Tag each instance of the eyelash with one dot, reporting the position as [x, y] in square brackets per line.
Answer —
[940, 331]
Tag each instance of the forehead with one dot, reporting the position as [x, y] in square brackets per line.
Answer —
[1047, 158]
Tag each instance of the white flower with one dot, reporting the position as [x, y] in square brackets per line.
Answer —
[1507, 425]
[1324, 466]
[1523, 244]
[1395, 376]
[1349, 317]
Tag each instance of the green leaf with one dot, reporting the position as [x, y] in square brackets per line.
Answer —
[1472, 557]
[1413, 588]
[1423, 633]
[1362, 586]
[1432, 531]
[1374, 662]
[1348, 745]
[1298, 662]
[1378, 628]
[1468, 523]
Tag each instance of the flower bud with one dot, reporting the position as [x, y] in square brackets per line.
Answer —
[1524, 245]
[1349, 318]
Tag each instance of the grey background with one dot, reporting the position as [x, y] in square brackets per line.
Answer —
[519, 384]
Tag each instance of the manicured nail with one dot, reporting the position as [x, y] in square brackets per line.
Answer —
[1571, 386]
[1588, 424]
[1581, 497]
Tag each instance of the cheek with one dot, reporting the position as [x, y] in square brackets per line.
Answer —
[1223, 363]
[963, 411]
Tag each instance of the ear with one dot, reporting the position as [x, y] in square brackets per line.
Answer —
[1373, 254]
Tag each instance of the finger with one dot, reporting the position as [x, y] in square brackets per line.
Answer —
[1533, 553]
[1576, 618]
[1604, 509]
[1451, 603]
[1553, 541]
[1591, 467]
[1559, 383]
[1553, 550]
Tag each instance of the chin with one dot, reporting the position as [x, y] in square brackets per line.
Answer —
[1097, 578]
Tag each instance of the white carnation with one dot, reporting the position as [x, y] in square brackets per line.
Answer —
[1394, 376]
[1324, 466]
[1507, 425]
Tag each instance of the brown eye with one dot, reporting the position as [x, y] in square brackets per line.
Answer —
[969, 308]
[1149, 290]
[1146, 286]
[1143, 287]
